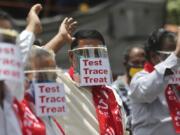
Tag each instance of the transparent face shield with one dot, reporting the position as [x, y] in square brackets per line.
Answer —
[91, 66]
[11, 65]
[48, 94]
[163, 54]
[38, 76]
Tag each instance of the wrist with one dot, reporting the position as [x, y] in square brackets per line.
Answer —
[61, 38]
[31, 28]
[177, 53]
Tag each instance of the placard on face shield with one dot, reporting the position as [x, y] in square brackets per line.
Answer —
[11, 66]
[92, 66]
[49, 95]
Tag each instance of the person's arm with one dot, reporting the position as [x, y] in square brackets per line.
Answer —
[63, 36]
[145, 87]
[27, 37]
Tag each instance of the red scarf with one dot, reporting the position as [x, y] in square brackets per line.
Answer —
[172, 100]
[30, 123]
[28, 99]
[107, 110]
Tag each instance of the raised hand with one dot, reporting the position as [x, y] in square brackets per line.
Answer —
[33, 21]
[66, 29]
[63, 36]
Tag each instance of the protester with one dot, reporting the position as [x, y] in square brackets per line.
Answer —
[150, 110]
[39, 59]
[90, 109]
[12, 84]
[9, 123]
[134, 59]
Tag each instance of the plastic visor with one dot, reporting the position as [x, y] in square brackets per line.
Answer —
[45, 75]
[91, 52]
[164, 54]
[11, 68]
[49, 96]
[91, 66]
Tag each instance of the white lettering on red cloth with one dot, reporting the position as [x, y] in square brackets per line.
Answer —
[171, 98]
[174, 105]
[30, 124]
[108, 111]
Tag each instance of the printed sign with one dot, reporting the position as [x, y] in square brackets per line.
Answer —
[49, 99]
[94, 71]
[175, 79]
[10, 63]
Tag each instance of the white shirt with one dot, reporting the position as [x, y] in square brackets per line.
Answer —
[81, 113]
[25, 42]
[9, 124]
[150, 113]
[51, 127]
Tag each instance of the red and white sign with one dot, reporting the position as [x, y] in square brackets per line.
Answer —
[50, 99]
[94, 71]
[175, 78]
[11, 67]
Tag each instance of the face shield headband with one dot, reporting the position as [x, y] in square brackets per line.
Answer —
[163, 54]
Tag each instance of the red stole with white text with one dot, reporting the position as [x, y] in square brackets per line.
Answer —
[171, 98]
[107, 109]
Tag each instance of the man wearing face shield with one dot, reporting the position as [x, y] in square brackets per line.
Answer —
[134, 59]
[152, 112]
[11, 72]
[92, 107]
[40, 68]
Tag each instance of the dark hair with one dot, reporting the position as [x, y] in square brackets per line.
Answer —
[5, 16]
[156, 39]
[86, 34]
[128, 51]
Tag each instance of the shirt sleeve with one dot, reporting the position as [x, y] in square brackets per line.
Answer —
[145, 87]
[25, 41]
